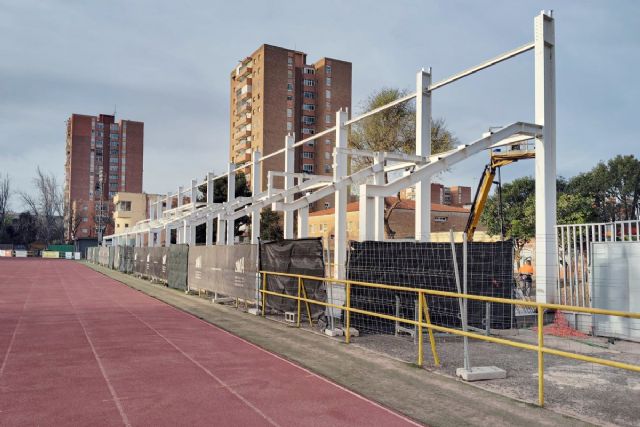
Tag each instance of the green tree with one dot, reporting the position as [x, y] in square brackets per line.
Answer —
[613, 188]
[270, 228]
[519, 211]
[393, 130]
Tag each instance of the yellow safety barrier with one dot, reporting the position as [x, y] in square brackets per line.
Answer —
[425, 322]
[50, 254]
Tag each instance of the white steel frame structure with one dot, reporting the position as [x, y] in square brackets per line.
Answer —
[300, 190]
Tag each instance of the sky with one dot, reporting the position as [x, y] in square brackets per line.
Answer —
[168, 64]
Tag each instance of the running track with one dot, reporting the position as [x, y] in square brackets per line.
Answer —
[78, 348]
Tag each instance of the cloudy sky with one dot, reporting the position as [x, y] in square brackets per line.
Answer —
[167, 64]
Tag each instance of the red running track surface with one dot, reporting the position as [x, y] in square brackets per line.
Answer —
[78, 348]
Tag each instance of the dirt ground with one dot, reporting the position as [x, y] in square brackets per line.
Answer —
[607, 396]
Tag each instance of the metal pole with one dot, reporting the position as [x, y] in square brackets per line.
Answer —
[420, 338]
[423, 148]
[461, 303]
[347, 314]
[540, 356]
[467, 364]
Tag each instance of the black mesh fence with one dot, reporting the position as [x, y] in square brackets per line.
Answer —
[429, 265]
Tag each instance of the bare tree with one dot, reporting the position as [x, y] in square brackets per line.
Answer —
[5, 195]
[394, 130]
[47, 206]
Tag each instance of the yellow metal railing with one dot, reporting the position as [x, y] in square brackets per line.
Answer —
[425, 322]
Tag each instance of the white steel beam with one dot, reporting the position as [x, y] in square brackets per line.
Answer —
[545, 161]
[256, 176]
[423, 149]
[289, 168]
[231, 195]
[340, 207]
[378, 202]
[452, 157]
[303, 222]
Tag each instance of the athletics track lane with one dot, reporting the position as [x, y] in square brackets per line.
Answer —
[78, 348]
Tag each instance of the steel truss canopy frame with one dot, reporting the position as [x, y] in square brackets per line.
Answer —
[188, 212]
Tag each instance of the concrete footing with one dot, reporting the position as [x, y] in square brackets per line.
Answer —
[481, 373]
[334, 332]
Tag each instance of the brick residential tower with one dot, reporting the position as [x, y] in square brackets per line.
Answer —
[103, 157]
[274, 92]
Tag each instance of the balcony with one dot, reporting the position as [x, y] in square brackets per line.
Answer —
[244, 119]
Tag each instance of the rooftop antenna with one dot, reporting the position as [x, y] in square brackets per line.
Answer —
[114, 110]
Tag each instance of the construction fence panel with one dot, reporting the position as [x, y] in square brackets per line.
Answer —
[226, 270]
[157, 263]
[140, 261]
[126, 259]
[296, 256]
[430, 265]
[177, 266]
[117, 257]
[103, 256]
[616, 286]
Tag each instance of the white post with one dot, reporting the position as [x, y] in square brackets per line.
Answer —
[366, 216]
[192, 234]
[209, 223]
[221, 231]
[340, 201]
[185, 232]
[423, 148]
[180, 189]
[378, 210]
[289, 168]
[150, 238]
[256, 175]
[194, 194]
[545, 162]
[231, 195]
[167, 236]
[303, 222]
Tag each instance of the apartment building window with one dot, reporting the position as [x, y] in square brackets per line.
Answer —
[307, 131]
[307, 154]
[290, 60]
[327, 142]
[327, 168]
[114, 136]
[113, 126]
[327, 118]
[308, 120]
[307, 168]
[124, 206]
[440, 219]
[113, 160]
[84, 230]
[289, 126]
[113, 152]
[308, 107]
[327, 155]
[327, 205]
[311, 144]
[308, 70]
[328, 69]
[327, 94]
[290, 87]
[85, 219]
[328, 80]
[100, 126]
[309, 82]
[289, 112]
[113, 168]
[290, 73]
[289, 98]
[309, 95]
[113, 177]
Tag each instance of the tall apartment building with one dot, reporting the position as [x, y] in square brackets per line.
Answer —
[275, 92]
[103, 157]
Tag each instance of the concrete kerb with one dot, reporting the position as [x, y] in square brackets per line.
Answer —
[425, 396]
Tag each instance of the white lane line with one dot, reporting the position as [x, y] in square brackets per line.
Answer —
[114, 396]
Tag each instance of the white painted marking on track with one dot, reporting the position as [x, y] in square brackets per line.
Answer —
[115, 399]
[313, 374]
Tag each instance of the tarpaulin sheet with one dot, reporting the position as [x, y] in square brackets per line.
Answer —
[177, 264]
[301, 256]
[140, 261]
[112, 251]
[429, 265]
[157, 264]
[228, 270]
